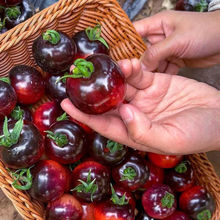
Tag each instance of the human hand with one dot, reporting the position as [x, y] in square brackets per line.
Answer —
[180, 39]
[166, 114]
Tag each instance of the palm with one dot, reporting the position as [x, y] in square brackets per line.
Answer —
[179, 113]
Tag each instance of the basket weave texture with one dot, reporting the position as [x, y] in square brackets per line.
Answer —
[71, 16]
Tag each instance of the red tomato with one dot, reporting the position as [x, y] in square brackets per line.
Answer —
[164, 161]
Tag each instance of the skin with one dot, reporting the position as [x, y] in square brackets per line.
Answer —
[182, 112]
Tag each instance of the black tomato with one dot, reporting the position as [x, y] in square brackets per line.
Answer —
[197, 203]
[23, 146]
[106, 151]
[90, 42]
[97, 84]
[54, 51]
[66, 207]
[28, 84]
[10, 2]
[8, 99]
[91, 181]
[56, 90]
[180, 178]
[18, 14]
[132, 173]
[66, 142]
[50, 181]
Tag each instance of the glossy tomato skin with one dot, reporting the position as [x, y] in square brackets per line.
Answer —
[49, 181]
[137, 166]
[74, 149]
[28, 84]
[109, 211]
[178, 215]
[27, 10]
[102, 91]
[87, 129]
[180, 180]
[27, 151]
[65, 207]
[86, 47]
[8, 99]
[54, 58]
[98, 149]
[98, 172]
[196, 200]
[156, 175]
[128, 195]
[153, 204]
[56, 91]
[10, 2]
[142, 215]
[164, 161]
[45, 115]
[88, 211]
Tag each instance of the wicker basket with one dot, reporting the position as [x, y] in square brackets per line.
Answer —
[71, 16]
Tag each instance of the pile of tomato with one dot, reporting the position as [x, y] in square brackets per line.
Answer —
[74, 171]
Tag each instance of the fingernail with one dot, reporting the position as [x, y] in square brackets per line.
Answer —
[127, 115]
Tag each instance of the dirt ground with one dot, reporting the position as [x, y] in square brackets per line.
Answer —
[209, 75]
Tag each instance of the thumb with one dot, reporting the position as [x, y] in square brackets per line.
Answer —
[136, 122]
[158, 52]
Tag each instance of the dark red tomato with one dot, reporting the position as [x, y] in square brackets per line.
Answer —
[69, 179]
[180, 178]
[128, 196]
[156, 175]
[98, 89]
[28, 84]
[90, 42]
[109, 211]
[23, 147]
[45, 115]
[10, 2]
[21, 112]
[142, 215]
[66, 142]
[54, 51]
[91, 181]
[85, 127]
[56, 89]
[178, 215]
[132, 173]
[164, 161]
[106, 151]
[49, 181]
[88, 211]
[8, 99]
[65, 208]
[197, 203]
[159, 201]
[192, 5]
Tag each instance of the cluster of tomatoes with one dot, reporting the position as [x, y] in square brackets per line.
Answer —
[192, 5]
[75, 171]
[14, 12]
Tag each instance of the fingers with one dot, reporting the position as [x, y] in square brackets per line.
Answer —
[135, 74]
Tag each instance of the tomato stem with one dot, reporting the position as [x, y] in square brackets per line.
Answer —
[60, 139]
[95, 34]
[168, 200]
[5, 79]
[8, 139]
[51, 36]
[13, 12]
[129, 174]
[17, 113]
[24, 176]
[87, 187]
[118, 200]
[204, 215]
[63, 117]
[181, 168]
[201, 6]
[114, 146]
